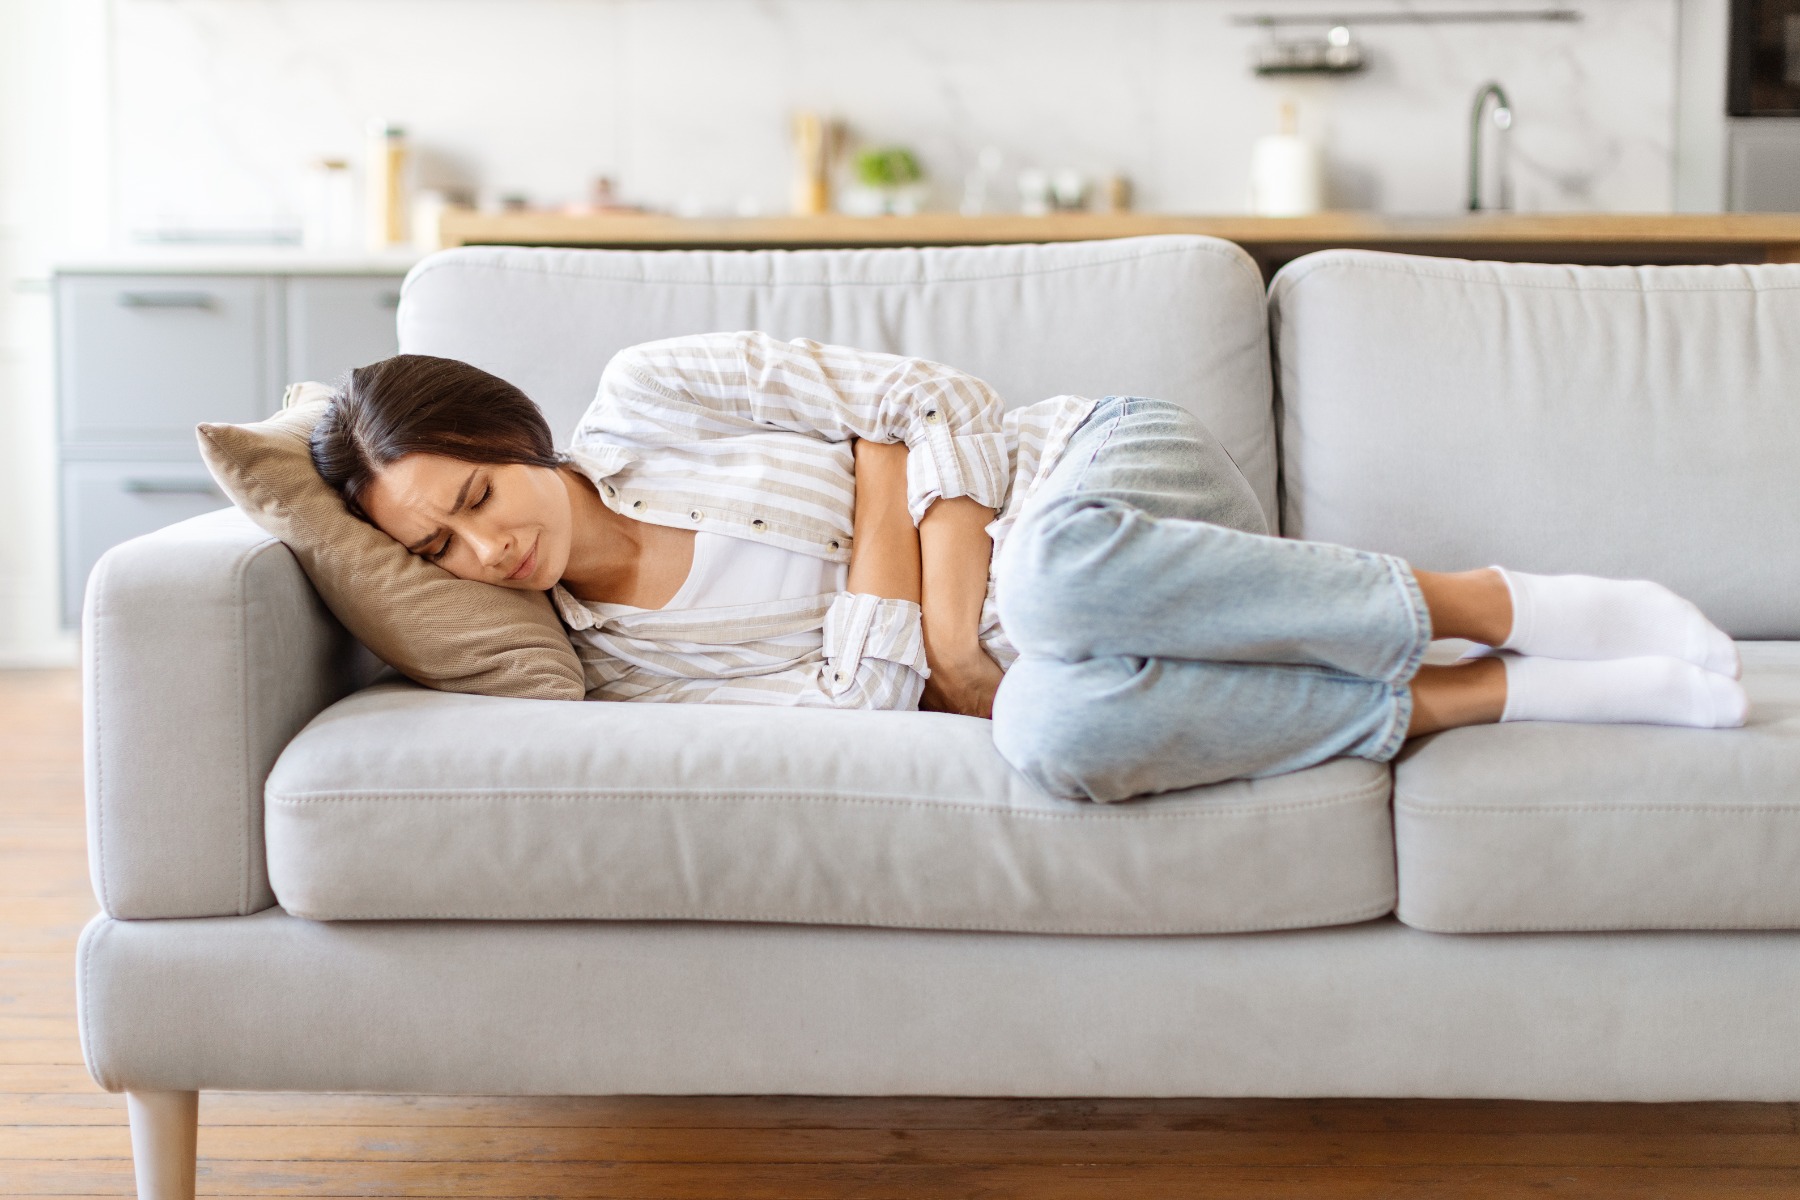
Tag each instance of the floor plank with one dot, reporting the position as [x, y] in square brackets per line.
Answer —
[401, 1145]
[62, 1136]
[808, 1181]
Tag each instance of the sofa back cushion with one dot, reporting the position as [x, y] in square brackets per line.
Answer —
[1176, 317]
[1639, 422]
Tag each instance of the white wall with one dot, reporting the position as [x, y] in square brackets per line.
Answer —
[54, 199]
[119, 116]
[685, 102]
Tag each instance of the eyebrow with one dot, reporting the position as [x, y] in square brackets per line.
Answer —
[461, 497]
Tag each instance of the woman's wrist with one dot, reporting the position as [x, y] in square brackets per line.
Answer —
[951, 650]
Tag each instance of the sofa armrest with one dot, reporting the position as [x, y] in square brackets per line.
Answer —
[204, 649]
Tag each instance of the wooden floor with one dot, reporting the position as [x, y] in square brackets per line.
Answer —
[60, 1135]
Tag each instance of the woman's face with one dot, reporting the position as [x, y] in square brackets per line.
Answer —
[502, 524]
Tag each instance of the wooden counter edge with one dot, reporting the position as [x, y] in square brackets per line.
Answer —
[1777, 234]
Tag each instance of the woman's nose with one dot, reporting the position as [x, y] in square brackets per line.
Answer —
[490, 548]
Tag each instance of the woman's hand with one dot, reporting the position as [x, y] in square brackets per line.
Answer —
[965, 685]
[955, 550]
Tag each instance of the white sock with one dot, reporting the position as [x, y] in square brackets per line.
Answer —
[1651, 690]
[1584, 616]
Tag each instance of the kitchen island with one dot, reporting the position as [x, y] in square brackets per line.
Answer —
[1272, 241]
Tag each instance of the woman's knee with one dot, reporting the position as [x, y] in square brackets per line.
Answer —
[1044, 726]
[1037, 589]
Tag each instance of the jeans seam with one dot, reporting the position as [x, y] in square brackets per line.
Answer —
[1414, 655]
[1397, 680]
[1398, 722]
[1112, 427]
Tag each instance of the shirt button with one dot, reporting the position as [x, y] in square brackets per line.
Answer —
[932, 415]
[837, 676]
[609, 488]
[759, 524]
[637, 504]
[696, 515]
[834, 544]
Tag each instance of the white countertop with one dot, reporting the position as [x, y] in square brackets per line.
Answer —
[231, 260]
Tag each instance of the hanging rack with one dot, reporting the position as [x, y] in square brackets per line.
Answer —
[1268, 20]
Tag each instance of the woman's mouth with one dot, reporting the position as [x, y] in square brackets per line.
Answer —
[525, 568]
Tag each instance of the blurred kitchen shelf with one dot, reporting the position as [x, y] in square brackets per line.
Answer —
[1515, 237]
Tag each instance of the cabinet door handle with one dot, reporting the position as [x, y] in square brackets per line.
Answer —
[172, 487]
[389, 300]
[165, 299]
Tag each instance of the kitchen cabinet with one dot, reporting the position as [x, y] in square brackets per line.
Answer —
[105, 503]
[142, 359]
[145, 353]
[337, 322]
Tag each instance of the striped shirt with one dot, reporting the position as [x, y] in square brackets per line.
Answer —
[748, 436]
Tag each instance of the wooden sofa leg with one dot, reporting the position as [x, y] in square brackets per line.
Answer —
[165, 1129]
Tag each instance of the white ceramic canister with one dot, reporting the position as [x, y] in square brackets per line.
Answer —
[1287, 172]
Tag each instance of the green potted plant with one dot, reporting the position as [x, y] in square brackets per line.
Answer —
[889, 181]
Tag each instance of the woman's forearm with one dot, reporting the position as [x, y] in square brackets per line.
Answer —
[884, 560]
[954, 552]
[942, 565]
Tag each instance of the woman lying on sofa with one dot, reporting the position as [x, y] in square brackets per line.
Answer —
[741, 519]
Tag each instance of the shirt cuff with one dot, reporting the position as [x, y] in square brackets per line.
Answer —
[942, 464]
[859, 625]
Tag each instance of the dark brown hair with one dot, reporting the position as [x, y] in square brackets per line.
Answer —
[418, 403]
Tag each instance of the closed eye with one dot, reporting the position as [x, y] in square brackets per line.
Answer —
[438, 554]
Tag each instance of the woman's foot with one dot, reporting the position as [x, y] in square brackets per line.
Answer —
[1587, 617]
[1648, 690]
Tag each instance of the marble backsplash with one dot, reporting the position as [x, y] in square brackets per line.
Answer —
[218, 105]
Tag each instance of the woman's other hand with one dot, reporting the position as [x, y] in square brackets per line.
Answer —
[964, 684]
[954, 549]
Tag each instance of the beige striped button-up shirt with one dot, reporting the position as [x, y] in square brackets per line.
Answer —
[748, 436]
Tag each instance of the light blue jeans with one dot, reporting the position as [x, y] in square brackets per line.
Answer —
[1167, 641]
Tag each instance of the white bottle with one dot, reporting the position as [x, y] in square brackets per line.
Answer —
[331, 221]
[1287, 176]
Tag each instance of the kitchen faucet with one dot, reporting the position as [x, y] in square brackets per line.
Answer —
[1502, 119]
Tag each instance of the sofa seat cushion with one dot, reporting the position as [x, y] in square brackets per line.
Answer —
[1548, 826]
[401, 802]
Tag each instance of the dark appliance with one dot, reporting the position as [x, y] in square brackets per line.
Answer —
[1764, 69]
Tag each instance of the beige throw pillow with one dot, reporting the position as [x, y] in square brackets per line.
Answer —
[454, 634]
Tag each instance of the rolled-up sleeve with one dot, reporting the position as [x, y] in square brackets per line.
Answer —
[863, 629]
[717, 384]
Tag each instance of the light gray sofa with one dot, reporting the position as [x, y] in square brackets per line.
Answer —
[318, 877]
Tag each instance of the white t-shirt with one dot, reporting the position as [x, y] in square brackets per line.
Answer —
[732, 570]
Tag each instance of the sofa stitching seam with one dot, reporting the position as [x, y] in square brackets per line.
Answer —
[1526, 810]
[84, 1024]
[240, 570]
[1363, 912]
[1570, 927]
[298, 799]
[1207, 247]
[1360, 264]
[96, 589]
